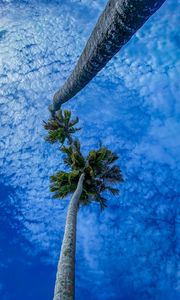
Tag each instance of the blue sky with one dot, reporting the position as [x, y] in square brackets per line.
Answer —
[130, 251]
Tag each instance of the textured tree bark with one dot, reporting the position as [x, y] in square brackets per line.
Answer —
[116, 25]
[65, 277]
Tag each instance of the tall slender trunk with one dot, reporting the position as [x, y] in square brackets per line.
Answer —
[65, 277]
[116, 25]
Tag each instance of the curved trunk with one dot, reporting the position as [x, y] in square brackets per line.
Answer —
[64, 287]
[117, 24]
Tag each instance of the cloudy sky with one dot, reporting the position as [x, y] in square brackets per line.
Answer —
[130, 251]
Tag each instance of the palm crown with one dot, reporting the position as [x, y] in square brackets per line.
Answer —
[60, 127]
[99, 168]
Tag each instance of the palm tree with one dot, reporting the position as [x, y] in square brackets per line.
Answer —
[87, 179]
[115, 27]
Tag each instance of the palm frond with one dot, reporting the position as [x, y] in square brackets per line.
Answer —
[112, 190]
[56, 135]
[73, 122]
[52, 124]
[102, 201]
[73, 130]
[67, 116]
[112, 174]
[63, 183]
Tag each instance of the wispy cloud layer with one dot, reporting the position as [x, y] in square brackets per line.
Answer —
[132, 107]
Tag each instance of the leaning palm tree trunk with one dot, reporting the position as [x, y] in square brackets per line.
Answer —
[64, 288]
[117, 24]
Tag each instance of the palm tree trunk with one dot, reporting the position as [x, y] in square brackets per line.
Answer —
[116, 25]
[64, 287]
